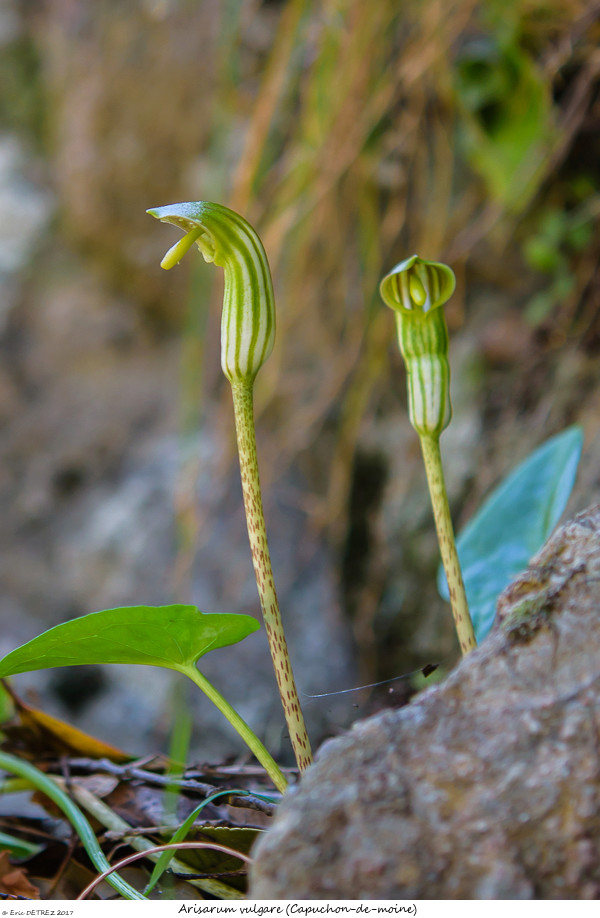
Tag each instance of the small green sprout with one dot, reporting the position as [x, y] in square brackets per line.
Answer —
[416, 290]
[247, 336]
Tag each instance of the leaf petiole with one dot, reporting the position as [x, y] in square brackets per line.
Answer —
[239, 724]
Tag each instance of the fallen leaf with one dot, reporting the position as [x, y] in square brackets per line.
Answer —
[13, 880]
[35, 733]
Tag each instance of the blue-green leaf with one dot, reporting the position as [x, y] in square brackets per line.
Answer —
[513, 524]
[169, 636]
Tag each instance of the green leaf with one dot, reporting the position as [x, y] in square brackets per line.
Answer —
[18, 847]
[50, 788]
[183, 830]
[170, 636]
[513, 524]
[174, 637]
[507, 125]
[211, 862]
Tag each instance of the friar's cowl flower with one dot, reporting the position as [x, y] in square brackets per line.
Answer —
[416, 289]
[227, 240]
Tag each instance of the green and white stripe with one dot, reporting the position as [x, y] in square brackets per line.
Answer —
[227, 240]
[424, 345]
[415, 284]
[415, 290]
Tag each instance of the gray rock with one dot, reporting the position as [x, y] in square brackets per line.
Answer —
[485, 786]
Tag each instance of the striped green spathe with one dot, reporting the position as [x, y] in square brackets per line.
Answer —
[423, 341]
[227, 240]
[415, 284]
[247, 334]
[416, 289]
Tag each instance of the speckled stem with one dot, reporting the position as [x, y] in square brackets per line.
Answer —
[246, 440]
[430, 446]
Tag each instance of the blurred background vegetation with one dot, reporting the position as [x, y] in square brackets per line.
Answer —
[352, 133]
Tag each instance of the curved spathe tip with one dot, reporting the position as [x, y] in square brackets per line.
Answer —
[417, 284]
[187, 216]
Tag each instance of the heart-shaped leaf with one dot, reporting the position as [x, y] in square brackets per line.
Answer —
[170, 636]
[513, 524]
[174, 637]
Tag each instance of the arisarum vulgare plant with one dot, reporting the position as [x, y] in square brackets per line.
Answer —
[247, 335]
[416, 290]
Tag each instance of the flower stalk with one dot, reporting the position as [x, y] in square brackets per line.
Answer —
[416, 290]
[247, 335]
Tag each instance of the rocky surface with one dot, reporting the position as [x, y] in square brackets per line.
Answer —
[486, 786]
